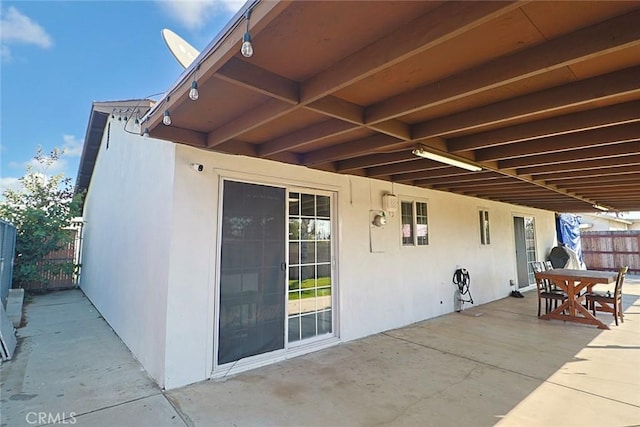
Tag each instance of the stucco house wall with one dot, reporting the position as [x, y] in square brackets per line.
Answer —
[126, 241]
[151, 249]
[603, 223]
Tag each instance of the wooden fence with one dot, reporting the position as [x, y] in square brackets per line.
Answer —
[609, 250]
[65, 255]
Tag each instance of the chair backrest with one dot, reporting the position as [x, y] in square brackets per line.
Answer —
[537, 266]
[548, 266]
[541, 284]
[619, 281]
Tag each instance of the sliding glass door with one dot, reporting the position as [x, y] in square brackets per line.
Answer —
[268, 300]
[252, 271]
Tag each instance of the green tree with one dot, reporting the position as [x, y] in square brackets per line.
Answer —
[40, 210]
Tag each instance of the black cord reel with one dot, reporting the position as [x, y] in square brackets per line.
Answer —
[462, 280]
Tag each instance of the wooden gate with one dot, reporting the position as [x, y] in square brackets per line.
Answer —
[609, 250]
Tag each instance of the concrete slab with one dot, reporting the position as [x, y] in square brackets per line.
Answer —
[152, 411]
[506, 367]
[70, 361]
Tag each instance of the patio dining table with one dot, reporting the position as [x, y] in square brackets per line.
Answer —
[572, 282]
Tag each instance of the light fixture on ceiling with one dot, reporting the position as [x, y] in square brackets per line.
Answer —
[423, 151]
[247, 47]
[145, 133]
[600, 207]
[166, 120]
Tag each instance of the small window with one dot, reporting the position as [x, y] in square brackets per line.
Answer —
[415, 227]
[485, 236]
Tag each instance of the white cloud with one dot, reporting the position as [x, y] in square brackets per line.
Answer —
[9, 183]
[195, 13]
[19, 28]
[72, 146]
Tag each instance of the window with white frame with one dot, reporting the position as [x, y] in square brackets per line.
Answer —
[415, 226]
[485, 235]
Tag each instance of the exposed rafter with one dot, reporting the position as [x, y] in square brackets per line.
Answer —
[545, 96]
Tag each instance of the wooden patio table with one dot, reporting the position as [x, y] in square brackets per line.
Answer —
[572, 282]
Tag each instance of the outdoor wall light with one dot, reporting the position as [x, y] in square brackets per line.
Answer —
[379, 220]
[422, 151]
[166, 120]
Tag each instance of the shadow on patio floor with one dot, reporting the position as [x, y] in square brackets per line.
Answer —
[505, 367]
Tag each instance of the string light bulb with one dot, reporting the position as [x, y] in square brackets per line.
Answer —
[166, 120]
[247, 47]
[193, 92]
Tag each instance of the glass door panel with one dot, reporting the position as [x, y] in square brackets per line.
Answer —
[310, 268]
[252, 273]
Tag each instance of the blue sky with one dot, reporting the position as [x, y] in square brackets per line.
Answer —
[60, 56]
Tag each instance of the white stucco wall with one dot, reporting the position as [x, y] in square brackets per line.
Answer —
[127, 234]
[377, 291]
[150, 249]
[601, 223]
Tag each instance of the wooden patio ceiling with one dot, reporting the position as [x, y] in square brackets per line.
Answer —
[545, 96]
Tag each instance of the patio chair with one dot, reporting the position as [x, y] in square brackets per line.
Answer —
[543, 287]
[605, 301]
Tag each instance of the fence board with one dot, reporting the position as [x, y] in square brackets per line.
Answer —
[66, 254]
[609, 250]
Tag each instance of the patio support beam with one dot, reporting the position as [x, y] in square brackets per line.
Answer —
[606, 37]
[260, 115]
[259, 80]
[262, 14]
[616, 167]
[372, 160]
[308, 135]
[605, 188]
[393, 128]
[595, 180]
[535, 162]
[598, 137]
[518, 193]
[339, 109]
[504, 182]
[434, 172]
[405, 167]
[557, 98]
[431, 29]
[470, 178]
[452, 19]
[345, 150]
[570, 123]
[185, 136]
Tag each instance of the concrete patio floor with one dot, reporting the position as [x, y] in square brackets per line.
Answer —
[505, 367]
